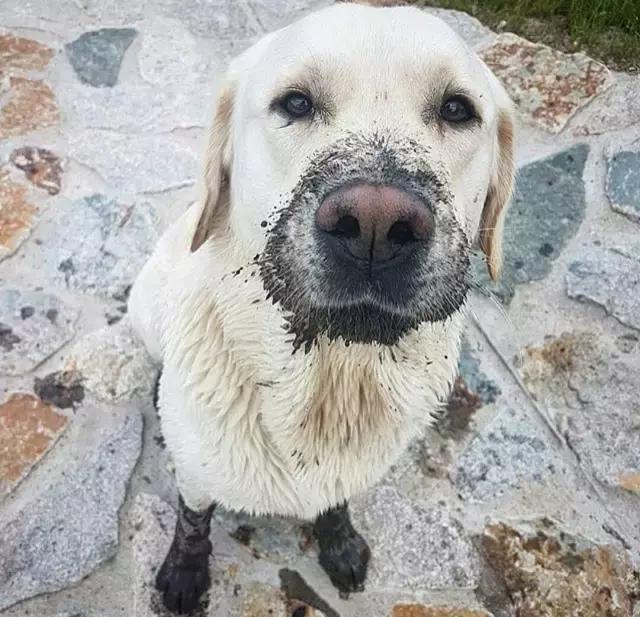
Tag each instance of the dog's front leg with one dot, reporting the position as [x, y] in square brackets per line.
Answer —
[184, 575]
[343, 553]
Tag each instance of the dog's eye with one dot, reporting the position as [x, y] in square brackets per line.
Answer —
[296, 104]
[457, 110]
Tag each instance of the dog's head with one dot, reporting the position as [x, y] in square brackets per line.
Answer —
[359, 153]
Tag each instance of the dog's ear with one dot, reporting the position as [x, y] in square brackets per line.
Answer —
[500, 183]
[215, 201]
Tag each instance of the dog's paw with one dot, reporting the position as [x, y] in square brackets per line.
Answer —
[345, 559]
[181, 586]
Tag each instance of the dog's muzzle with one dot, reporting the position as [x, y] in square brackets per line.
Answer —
[367, 248]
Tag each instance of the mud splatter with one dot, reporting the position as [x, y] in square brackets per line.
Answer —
[63, 389]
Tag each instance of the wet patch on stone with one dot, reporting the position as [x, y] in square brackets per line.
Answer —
[623, 183]
[547, 210]
[433, 457]
[96, 56]
[471, 390]
[509, 452]
[590, 390]
[63, 389]
[280, 540]
[22, 54]
[423, 549]
[30, 105]
[546, 573]
[610, 278]
[461, 406]
[28, 338]
[17, 215]
[41, 167]
[28, 429]
[548, 86]
[44, 548]
[420, 610]
[296, 588]
[109, 244]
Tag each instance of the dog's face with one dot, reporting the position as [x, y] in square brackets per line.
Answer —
[359, 153]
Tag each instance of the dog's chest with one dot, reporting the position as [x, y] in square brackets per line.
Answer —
[342, 405]
[298, 432]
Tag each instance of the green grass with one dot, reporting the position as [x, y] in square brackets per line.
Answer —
[605, 29]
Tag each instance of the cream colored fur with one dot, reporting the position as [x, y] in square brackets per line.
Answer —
[250, 424]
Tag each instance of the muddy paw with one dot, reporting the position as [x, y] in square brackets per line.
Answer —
[345, 560]
[181, 586]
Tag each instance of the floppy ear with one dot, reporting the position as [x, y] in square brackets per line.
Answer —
[217, 172]
[500, 185]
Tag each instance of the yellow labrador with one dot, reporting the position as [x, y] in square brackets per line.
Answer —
[307, 312]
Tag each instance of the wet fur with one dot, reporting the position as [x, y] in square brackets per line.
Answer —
[251, 423]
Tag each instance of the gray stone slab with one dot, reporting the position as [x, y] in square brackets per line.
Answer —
[623, 183]
[511, 451]
[33, 326]
[99, 244]
[169, 55]
[413, 548]
[589, 385]
[177, 88]
[135, 108]
[132, 164]
[611, 278]
[96, 56]
[72, 527]
[618, 109]
[113, 363]
[469, 28]
[278, 13]
[547, 210]
[219, 19]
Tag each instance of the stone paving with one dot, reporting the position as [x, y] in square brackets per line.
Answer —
[524, 499]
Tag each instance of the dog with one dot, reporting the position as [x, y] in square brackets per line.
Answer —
[307, 311]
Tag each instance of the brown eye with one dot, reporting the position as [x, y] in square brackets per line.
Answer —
[296, 105]
[457, 110]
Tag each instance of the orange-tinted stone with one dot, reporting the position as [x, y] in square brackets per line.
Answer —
[28, 429]
[547, 85]
[25, 54]
[16, 215]
[419, 610]
[31, 105]
[549, 575]
[630, 482]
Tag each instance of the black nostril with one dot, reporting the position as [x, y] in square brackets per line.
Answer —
[401, 233]
[347, 227]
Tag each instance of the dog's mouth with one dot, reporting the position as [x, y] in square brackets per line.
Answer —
[355, 268]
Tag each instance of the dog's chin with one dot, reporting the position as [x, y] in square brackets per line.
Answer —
[365, 321]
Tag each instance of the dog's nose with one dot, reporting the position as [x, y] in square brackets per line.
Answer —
[375, 223]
